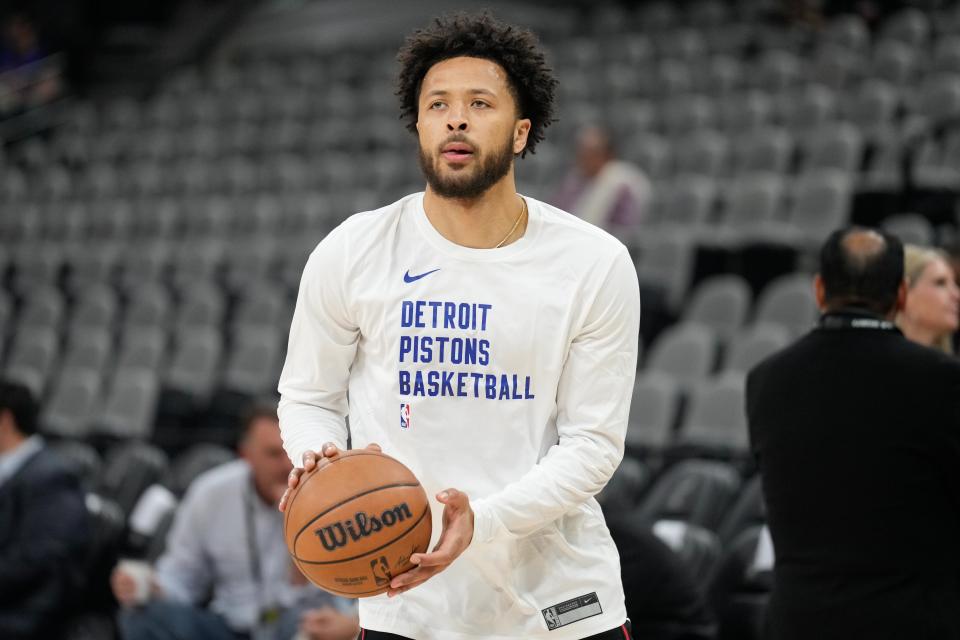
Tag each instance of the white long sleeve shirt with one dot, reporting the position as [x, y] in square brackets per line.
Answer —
[505, 373]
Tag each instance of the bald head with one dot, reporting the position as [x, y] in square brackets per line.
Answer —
[861, 268]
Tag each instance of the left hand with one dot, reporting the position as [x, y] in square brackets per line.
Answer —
[328, 624]
[455, 537]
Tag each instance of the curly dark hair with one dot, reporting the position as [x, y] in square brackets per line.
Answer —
[480, 35]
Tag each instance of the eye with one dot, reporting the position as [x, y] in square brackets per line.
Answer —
[437, 104]
[480, 104]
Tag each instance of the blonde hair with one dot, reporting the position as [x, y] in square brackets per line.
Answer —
[915, 260]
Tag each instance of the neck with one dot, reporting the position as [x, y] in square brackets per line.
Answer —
[481, 222]
[918, 334]
[10, 440]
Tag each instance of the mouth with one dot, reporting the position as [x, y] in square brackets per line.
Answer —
[457, 152]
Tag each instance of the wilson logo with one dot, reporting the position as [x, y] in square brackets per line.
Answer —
[334, 536]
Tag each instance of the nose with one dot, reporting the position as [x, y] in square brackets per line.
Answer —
[457, 120]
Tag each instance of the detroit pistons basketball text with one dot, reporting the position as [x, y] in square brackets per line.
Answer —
[471, 350]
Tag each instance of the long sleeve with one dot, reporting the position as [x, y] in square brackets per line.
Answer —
[322, 345]
[184, 571]
[593, 401]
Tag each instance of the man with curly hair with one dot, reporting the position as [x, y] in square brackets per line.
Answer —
[506, 331]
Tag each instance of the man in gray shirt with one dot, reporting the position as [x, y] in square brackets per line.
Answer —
[226, 548]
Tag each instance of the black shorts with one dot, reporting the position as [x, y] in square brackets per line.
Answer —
[620, 633]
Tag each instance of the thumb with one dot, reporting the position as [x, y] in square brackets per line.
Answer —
[453, 498]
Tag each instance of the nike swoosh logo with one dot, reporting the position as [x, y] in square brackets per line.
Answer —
[409, 278]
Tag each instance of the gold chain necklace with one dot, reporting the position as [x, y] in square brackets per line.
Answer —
[515, 224]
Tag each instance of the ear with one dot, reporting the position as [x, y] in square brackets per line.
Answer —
[902, 295]
[820, 292]
[520, 133]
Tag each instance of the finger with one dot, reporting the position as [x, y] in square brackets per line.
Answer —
[293, 478]
[309, 460]
[283, 500]
[373, 446]
[330, 450]
[442, 555]
[410, 584]
[453, 498]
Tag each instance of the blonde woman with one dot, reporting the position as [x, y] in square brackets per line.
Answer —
[932, 311]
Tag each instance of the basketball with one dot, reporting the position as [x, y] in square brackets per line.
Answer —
[352, 525]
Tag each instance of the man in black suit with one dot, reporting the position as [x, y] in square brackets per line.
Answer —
[43, 524]
[857, 434]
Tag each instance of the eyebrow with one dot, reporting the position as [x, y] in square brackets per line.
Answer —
[443, 92]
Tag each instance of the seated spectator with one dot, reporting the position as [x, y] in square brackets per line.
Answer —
[609, 193]
[226, 573]
[932, 311]
[663, 599]
[43, 524]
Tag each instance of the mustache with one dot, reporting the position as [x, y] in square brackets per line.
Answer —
[457, 137]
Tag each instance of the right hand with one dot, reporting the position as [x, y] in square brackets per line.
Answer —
[311, 461]
[124, 587]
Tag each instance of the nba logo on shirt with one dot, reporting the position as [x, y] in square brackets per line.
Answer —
[404, 416]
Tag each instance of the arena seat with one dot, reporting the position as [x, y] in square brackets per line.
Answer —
[747, 511]
[148, 306]
[740, 592]
[142, 348]
[128, 469]
[686, 352]
[653, 412]
[716, 423]
[835, 145]
[788, 301]
[31, 357]
[130, 404]
[720, 303]
[687, 201]
[625, 488]
[189, 464]
[666, 261]
[253, 365]
[752, 344]
[88, 348]
[746, 111]
[911, 228]
[194, 363]
[697, 547]
[43, 307]
[81, 458]
[69, 409]
[694, 491]
[701, 153]
[764, 149]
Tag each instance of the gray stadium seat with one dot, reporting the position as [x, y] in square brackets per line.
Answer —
[128, 469]
[43, 307]
[651, 153]
[653, 411]
[96, 306]
[143, 348]
[36, 267]
[142, 265]
[747, 511]
[81, 458]
[625, 488]
[32, 354]
[740, 590]
[196, 460]
[848, 31]
[837, 145]
[910, 26]
[777, 70]
[751, 200]
[764, 150]
[688, 201]
[247, 263]
[684, 351]
[911, 228]
[149, 306]
[746, 111]
[694, 491]
[698, 547]
[937, 163]
[130, 405]
[873, 106]
[75, 396]
[788, 302]
[253, 364]
[666, 261]
[683, 114]
[716, 420]
[203, 305]
[894, 62]
[88, 348]
[809, 108]
[946, 55]
[194, 364]
[261, 304]
[754, 343]
[821, 203]
[702, 153]
[91, 266]
[720, 303]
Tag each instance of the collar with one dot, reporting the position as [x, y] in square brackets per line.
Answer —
[12, 461]
[857, 319]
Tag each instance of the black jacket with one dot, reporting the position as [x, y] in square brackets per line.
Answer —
[857, 435]
[44, 533]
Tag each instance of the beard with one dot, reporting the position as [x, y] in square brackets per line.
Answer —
[468, 182]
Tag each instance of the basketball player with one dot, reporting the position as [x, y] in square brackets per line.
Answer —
[505, 332]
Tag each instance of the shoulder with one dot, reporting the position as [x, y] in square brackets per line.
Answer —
[356, 237]
[565, 228]
[218, 483]
[46, 466]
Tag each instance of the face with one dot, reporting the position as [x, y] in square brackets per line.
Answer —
[933, 300]
[593, 152]
[468, 127]
[263, 450]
